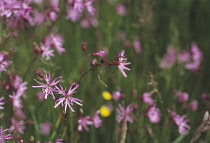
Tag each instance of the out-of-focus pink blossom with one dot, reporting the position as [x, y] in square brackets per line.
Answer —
[137, 45]
[59, 141]
[45, 128]
[184, 56]
[116, 95]
[1, 102]
[182, 96]
[146, 97]
[121, 9]
[17, 126]
[180, 122]
[124, 113]
[46, 51]
[3, 62]
[194, 105]
[96, 119]
[194, 64]
[41, 96]
[3, 136]
[100, 54]
[169, 59]
[153, 114]
[83, 122]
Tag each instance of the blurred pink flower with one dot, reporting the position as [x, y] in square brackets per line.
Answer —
[182, 96]
[180, 122]
[17, 126]
[96, 119]
[45, 128]
[3, 136]
[169, 59]
[16, 100]
[146, 97]
[67, 100]
[57, 42]
[121, 9]
[83, 122]
[184, 56]
[194, 105]
[124, 113]
[116, 95]
[153, 114]
[1, 102]
[46, 51]
[59, 141]
[122, 63]
[3, 63]
[137, 46]
[194, 64]
[48, 87]
[41, 96]
[100, 54]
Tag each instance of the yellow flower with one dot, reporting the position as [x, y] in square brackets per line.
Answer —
[105, 111]
[106, 95]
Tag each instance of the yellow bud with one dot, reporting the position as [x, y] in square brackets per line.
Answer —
[105, 111]
[106, 95]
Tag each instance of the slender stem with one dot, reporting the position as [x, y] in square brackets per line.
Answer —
[83, 74]
[123, 131]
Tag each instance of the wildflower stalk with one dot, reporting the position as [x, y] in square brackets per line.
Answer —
[202, 128]
[123, 130]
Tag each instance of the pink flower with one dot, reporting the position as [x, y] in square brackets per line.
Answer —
[121, 9]
[122, 63]
[17, 126]
[184, 56]
[16, 100]
[45, 128]
[19, 85]
[3, 63]
[1, 103]
[194, 64]
[137, 46]
[100, 54]
[41, 96]
[146, 97]
[83, 122]
[194, 105]
[169, 59]
[180, 122]
[116, 95]
[46, 51]
[67, 100]
[59, 141]
[3, 136]
[124, 113]
[57, 42]
[182, 96]
[153, 114]
[96, 119]
[48, 87]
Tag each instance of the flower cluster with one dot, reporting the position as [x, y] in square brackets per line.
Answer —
[153, 113]
[84, 121]
[53, 40]
[180, 122]
[191, 59]
[17, 13]
[76, 8]
[50, 87]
